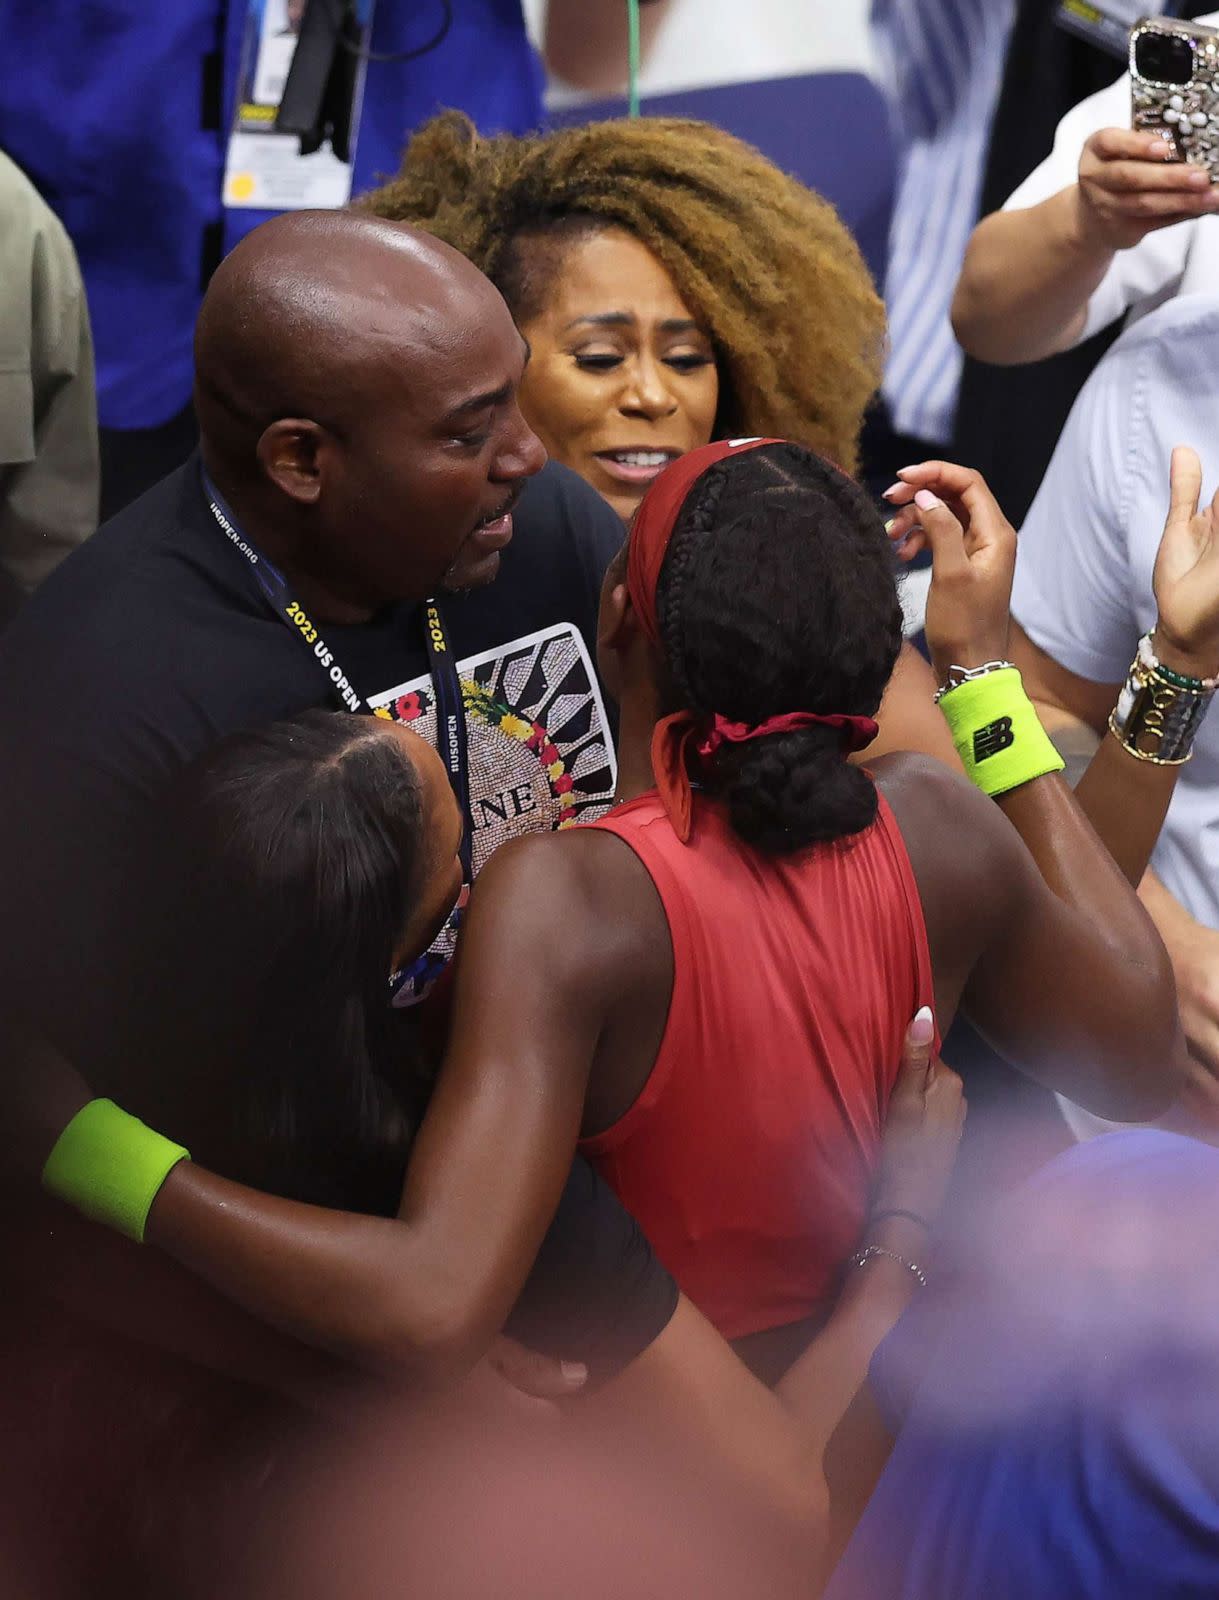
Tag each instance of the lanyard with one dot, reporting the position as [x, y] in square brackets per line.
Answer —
[450, 709]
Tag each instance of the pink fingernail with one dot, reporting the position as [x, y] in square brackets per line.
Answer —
[926, 501]
[892, 490]
[922, 1028]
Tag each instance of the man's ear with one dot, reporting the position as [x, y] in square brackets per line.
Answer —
[291, 453]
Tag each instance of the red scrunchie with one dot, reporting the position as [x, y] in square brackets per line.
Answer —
[857, 732]
[650, 534]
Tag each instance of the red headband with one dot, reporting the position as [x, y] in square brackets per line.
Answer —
[651, 532]
[657, 517]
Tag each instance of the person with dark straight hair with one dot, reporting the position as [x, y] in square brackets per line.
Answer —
[293, 859]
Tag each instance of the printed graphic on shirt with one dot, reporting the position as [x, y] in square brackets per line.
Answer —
[540, 753]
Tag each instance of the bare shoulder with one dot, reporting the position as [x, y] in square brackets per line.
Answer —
[918, 786]
[575, 898]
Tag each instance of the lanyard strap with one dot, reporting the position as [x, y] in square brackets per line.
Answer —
[450, 723]
[446, 685]
[284, 602]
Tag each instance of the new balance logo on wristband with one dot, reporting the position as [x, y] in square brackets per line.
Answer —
[993, 738]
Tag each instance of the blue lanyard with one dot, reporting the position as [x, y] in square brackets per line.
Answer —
[450, 708]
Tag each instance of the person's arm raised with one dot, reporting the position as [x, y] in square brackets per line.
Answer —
[973, 553]
[1074, 984]
[585, 41]
[1029, 273]
[1075, 713]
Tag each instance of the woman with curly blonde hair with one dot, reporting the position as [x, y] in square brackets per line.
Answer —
[675, 287]
[784, 328]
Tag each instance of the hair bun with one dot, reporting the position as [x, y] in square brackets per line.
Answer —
[787, 791]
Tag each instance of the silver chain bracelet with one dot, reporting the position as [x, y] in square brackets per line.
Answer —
[871, 1251]
[959, 675]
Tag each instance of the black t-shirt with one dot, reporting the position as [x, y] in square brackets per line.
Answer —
[596, 1293]
[153, 641]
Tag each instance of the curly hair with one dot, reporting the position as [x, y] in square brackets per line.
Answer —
[762, 261]
[777, 594]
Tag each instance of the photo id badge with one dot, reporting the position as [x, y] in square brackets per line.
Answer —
[298, 106]
[1108, 23]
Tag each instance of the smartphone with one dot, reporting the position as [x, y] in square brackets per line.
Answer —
[1174, 84]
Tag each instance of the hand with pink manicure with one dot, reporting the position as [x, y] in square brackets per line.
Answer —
[922, 1130]
[950, 511]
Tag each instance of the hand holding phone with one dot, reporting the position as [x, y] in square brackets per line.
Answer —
[1174, 84]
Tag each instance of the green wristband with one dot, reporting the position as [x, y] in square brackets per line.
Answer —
[110, 1167]
[996, 732]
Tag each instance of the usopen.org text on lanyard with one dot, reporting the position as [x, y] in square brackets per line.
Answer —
[450, 712]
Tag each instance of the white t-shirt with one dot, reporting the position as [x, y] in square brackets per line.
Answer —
[1183, 259]
[1088, 546]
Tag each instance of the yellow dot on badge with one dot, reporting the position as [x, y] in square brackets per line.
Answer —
[241, 186]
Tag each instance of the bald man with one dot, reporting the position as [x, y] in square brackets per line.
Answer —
[362, 452]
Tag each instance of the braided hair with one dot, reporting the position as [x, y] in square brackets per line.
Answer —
[778, 594]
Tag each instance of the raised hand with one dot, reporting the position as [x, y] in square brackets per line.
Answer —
[950, 510]
[1186, 575]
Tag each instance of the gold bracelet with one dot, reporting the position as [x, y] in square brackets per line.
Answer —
[1157, 717]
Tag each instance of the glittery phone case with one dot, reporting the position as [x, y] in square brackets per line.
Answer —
[1174, 82]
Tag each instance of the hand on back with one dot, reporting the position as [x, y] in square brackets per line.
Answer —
[922, 1129]
[1129, 186]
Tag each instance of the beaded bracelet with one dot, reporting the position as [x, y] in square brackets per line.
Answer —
[1150, 660]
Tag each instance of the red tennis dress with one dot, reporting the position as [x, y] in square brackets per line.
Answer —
[749, 1155]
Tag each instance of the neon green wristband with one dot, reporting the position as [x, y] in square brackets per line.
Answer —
[110, 1167]
[996, 732]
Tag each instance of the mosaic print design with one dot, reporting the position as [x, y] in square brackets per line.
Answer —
[541, 756]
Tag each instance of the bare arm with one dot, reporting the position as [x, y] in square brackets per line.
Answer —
[1072, 984]
[1028, 274]
[908, 718]
[422, 1294]
[428, 1290]
[1066, 703]
[1125, 799]
[1026, 281]
[585, 41]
